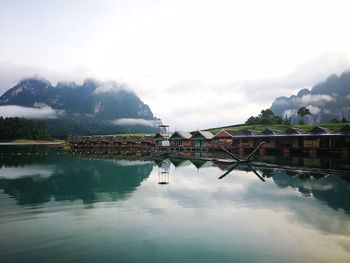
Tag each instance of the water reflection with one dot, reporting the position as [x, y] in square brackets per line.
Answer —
[72, 178]
[163, 171]
[37, 178]
[333, 190]
[294, 215]
[235, 165]
[322, 162]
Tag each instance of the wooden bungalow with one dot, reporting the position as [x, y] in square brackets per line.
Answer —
[225, 138]
[107, 141]
[86, 141]
[133, 141]
[97, 141]
[74, 141]
[158, 139]
[180, 139]
[290, 138]
[124, 141]
[202, 139]
[341, 138]
[317, 138]
[247, 138]
[93, 141]
[270, 137]
[116, 141]
[147, 141]
[78, 142]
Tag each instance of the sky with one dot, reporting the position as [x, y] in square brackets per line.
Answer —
[197, 64]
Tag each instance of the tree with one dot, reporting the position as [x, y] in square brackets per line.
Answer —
[302, 112]
[287, 120]
[335, 120]
[267, 113]
[19, 128]
[252, 120]
[266, 117]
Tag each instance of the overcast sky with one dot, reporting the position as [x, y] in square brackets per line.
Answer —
[198, 64]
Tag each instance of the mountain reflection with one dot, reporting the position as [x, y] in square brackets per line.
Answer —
[334, 190]
[33, 179]
[73, 178]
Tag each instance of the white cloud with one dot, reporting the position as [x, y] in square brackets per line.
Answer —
[30, 113]
[12, 73]
[132, 162]
[110, 86]
[197, 103]
[290, 113]
[317, 99]
[314, 103]
[314, 110]
[224, 60]
[131, 121]
[40, 171]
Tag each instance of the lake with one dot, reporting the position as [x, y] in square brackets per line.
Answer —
[62, 207]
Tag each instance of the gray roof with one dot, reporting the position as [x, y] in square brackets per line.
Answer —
[293, 130]
[206, 134]
[319, 130]
[270, 132]
[248, 132]
[344, 130]
[183, 135]
[290, 132]
[229, 132]
[158, 136]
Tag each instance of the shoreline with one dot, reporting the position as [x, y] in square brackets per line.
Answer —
[33, 142]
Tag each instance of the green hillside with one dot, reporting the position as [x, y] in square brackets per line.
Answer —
[239, 127]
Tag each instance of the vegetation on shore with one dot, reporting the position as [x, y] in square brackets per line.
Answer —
[20, 128]
[268, 120]
[239, 127]
[37, 141]
[267, 117]
[134, 134]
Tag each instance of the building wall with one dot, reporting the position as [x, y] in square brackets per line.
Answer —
[180, 143]
[201, 143]
[312, 143]
[187, 143]
[288, 142]
[341, 142]
[225, 142]
[158, 143]
[176, 143]
[198, 143]
[270, 143]
[247, 143]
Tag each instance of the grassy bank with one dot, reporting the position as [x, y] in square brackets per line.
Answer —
[134, 134]
[331, 126]
[37, 141]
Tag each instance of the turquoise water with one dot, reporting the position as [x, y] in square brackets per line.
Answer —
[57, 207]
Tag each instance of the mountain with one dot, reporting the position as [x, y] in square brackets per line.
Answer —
[326, 101]
[91, 108]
